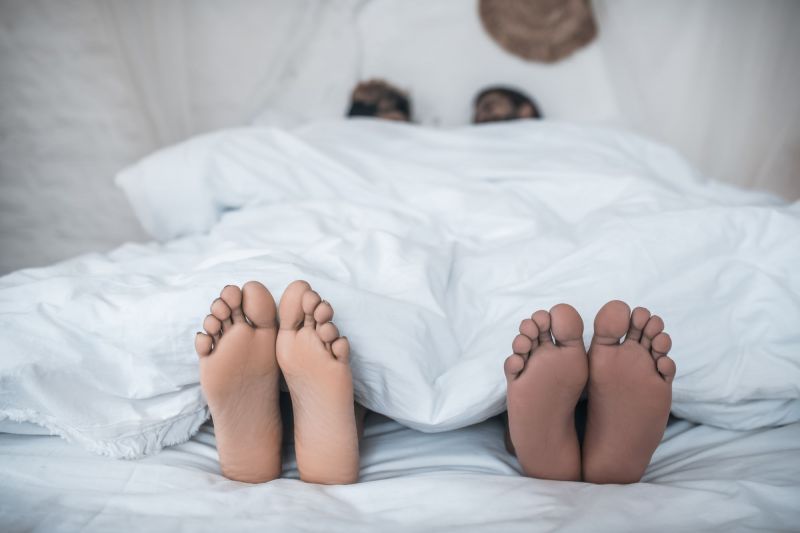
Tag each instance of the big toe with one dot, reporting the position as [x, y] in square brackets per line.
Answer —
[566, 325]
[290, 310]
[611, 322]
[258, 305]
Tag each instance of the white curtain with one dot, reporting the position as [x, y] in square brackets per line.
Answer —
[200, 65]
[717, 79]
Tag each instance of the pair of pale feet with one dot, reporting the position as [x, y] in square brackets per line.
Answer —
[249, 344]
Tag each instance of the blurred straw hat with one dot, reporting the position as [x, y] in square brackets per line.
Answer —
[539, 30]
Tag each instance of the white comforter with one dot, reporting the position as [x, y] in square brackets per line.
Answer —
[432, 246]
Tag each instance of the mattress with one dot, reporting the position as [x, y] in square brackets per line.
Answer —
[701, 479]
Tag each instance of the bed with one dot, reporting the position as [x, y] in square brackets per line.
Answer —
[431, 244]
[701, 479]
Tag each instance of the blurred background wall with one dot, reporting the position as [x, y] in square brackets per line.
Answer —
[87, 87]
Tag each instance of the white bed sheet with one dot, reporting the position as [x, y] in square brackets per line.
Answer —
[701, 479]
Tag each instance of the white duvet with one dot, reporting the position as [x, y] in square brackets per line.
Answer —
[432, 246]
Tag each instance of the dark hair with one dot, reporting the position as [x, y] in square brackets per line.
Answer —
[377, 96]
[394, 103]
[517, 98]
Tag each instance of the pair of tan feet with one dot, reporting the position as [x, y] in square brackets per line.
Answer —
[628, 384]
[247, 345]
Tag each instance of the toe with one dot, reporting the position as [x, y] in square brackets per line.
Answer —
[666, 367]
[323, 313]
[611, 322]
[290, 310]
[202, 344]
[529, 329]
[661, 345]
[327, 332]
[639, 318]
[513, 366]
[341, 348]
[213, 326]
[232, 296]
[542, 320]
[223, 313]
[310, 302]
[522, 345]
[566, 325]
[653, 327]
[258, 305]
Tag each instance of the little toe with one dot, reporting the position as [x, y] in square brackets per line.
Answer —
[666, 367]
[202, 344]
[232, 295]
[522, 345]
[310, 302]
[213, 326]
[258, 305]
[290, 310]
[639, 318]
[654, 326]
[542, 321]
[566, 325]
[341, 348]
[611, 322]
[323, 313]
[223, 313]
[328, 332]
[513, 366]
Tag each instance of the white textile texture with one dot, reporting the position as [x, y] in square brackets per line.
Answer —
[430, 261]
[716, 79]
[88, 87]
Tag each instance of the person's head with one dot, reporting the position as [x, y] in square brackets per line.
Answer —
[377, 98]
[503, 103]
